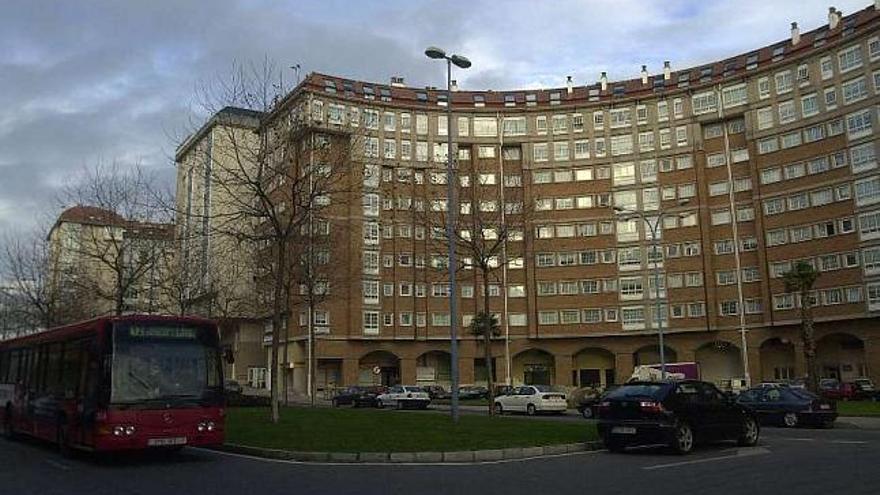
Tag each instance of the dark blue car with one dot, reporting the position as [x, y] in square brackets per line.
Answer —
[789, 407]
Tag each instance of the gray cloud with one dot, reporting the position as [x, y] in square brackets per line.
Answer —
[102, 80]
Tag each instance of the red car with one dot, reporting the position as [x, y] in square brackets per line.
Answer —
[831, 388]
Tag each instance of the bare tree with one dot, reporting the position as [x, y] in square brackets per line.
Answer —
[25, 268]
[276, 188]
[489, 216]
[119, 238]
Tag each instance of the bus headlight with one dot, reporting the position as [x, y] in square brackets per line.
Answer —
[206, 426]
[118, 431]
[129, 430]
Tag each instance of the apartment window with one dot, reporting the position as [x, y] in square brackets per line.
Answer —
[733, 96]
[854, 90]
[768, 145]
[783, 81]
[791, 140]
[622, 145]
[728, 308]
[716, 160]
[830, 98]
[726, 277]
[798, 202]
[683, 162]
[681, 137]
[548, 317]
[814, 133]
[786, 112]
[750, 274]
[809, 105]
[764, 117]
[748, 244]
[696, 310]
[859, 124]
[371, 322]
[869, 225]
[723, 247]
[633, 316]
[867, 191]
[849, 58]
[540, 152]
[721, 217]
[719, 188]
[708, 102]
[776, 237]
[862, 157]
[440, 319]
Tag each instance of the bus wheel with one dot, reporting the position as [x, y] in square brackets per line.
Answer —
[8, 431]
[63, 442]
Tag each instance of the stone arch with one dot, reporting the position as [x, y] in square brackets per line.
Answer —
[533, 367]
[842, 356]
[592, 367]
[777, 355]
[434, 368]
[379, 368]
[650, 354]
[720, 362]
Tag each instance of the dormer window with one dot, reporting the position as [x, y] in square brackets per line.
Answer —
[752, 61]
[330, 86]
[368, 93]
[479, 101]
[510, 100]
[422, 96]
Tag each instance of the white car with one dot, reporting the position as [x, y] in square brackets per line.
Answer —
[531, 399]
[404, 396]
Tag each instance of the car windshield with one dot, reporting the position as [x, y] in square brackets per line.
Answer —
[640, 390]
[413, 389]
[160, 362]
[542, 388]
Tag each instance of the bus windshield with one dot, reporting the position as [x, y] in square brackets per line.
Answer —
[171, 363]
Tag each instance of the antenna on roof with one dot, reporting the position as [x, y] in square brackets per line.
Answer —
[296, 68]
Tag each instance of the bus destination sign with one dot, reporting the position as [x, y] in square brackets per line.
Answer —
[158, 332]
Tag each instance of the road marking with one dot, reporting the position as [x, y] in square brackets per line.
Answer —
[354, 464]
[739, 454]
[849, 442]
[59, 465]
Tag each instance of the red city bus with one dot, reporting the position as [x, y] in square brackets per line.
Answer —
[115, 383]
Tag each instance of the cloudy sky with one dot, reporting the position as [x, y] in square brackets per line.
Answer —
[83, 81]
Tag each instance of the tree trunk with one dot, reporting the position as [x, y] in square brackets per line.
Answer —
[809, 340]
[487, 343]
[276, 329]
[312, 357]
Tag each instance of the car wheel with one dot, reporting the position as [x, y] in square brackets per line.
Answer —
[612, 445]
[499, 409]
[530, 410]
[790, 420]
[587, 413]
[683, 439]
[379, 403]
[750, 431]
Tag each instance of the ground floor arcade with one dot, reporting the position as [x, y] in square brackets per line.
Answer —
[844, 351]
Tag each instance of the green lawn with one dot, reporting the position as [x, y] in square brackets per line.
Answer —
[858, 408]
[464, 402]
[368, 430]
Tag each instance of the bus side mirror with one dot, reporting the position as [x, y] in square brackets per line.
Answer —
[228, 356]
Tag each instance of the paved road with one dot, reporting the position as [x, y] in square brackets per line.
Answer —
[804, 462]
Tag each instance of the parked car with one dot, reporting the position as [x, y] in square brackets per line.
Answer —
[797, 383]
[403, 397]
[347, 396]
[789, 407]
[865, 388]
[436, 392]
[589, 404]
[503, 390]
[831, 388]
[232, 387]
[771, 385]
[472, 392]
[531, 399]
[676, 414]
[368, 396]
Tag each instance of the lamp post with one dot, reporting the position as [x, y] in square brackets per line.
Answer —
[452, 208]
[655, 246]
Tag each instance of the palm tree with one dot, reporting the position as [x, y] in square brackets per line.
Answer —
[801, 279]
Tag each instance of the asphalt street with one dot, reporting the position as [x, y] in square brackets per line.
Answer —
[798, 461]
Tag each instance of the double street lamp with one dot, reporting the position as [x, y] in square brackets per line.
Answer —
[655, 247]
[452, 209]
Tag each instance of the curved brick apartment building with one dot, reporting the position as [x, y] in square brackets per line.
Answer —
[764, 158]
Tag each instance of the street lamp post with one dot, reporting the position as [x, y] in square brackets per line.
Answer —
[655, 247]
[452, 208]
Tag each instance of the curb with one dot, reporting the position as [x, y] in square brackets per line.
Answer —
[459, 457]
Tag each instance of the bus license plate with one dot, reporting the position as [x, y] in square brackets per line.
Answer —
[164, 442]
[624, 430]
